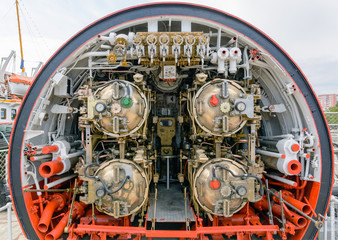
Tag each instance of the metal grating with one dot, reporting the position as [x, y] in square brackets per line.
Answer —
[3, 164]
[332, 120]
[169, 205]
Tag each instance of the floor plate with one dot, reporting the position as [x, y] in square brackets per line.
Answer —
[169, 205]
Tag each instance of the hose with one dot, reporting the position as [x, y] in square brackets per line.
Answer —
[116, 190]
[245, 157]
[102, 181]
[261, 189]
[99, 154]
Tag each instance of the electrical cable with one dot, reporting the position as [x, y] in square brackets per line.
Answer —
[245, 157]
[261, 189]
[99, 154]
[102, 181]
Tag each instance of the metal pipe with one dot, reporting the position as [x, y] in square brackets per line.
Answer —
[9, 217]
[302, 161]
[278, 136]
[332, 222]
[231, 41]
[325, 230]
[333, 202]
[76, 154]
[269, 202]
[106, 46]
[37, 186]
[48, 190]
[4, 137]
[270, 154]
[168, 178]
[41, 157]
[283, 180]
[5, 65]
[103, 38]
[219, 33]
[93, 54]
[268, 142]
[59, 181]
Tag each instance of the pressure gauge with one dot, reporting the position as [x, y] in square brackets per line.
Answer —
[241, 190]
[100, 107]
[240, 106]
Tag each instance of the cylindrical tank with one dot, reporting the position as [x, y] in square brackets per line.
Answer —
[162, 96]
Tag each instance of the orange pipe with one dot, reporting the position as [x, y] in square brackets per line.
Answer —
[302, 186]
[312, 210]
[289, 197]
[305, 208]
[295, 216]
[286, 186]
[276, 209]
[78, 211]
[294, 167]
[51, 168]
[49, 149]
[240, 219]
[99, 220]
[40, 203]
[301, 194]
[47, 215]
[56, 204]
[58, 230]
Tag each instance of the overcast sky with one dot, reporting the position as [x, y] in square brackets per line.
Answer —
[306, 29]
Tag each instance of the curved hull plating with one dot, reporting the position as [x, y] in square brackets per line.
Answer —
[188, 96]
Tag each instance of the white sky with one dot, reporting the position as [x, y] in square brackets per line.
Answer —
[306, 29]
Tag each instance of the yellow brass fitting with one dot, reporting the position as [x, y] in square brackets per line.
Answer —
[111, 58]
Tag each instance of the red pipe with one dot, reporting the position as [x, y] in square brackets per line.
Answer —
[289, 197]
[49, 149]
[51, 168]
[286, 186]
[240, 219]
[47, 215]
[78, 211]
[56, 204]
[58, 230]
[276, 209]
[294, 167]
[99, 220]
[312, 210]
[305, 208]
[302, 186]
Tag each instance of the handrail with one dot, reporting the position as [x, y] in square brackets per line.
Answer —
[3, 135]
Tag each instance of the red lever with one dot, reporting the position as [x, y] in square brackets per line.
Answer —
[214, 101]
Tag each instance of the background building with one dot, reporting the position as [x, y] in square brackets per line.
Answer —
[327, 100]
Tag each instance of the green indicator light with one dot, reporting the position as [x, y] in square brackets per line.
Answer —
[126, 102]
